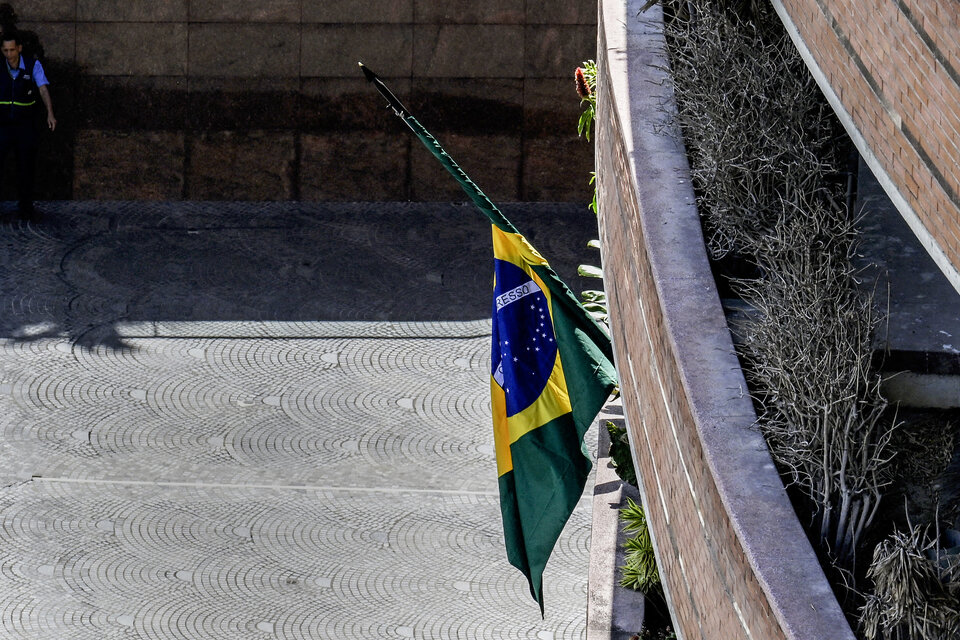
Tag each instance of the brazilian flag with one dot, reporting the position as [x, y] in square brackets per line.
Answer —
[551, 373]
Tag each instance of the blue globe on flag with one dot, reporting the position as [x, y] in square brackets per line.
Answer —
[524, 348]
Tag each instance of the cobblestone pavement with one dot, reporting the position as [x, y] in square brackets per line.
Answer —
[233, 421]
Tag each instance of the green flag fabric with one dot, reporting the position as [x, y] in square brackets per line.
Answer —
[551, 373]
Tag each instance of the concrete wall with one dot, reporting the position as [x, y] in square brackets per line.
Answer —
[734, 560]
[891, 69]
[243, 100]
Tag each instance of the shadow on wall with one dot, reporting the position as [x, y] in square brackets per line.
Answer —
[55, 158]
[310, 132]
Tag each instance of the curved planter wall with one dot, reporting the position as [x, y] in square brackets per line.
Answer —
[734, 560]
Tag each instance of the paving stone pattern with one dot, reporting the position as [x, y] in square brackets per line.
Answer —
[261, 421]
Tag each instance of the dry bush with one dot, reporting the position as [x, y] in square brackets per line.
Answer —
[914, 597]
[761, 141]
[807, 350]
[756, 128]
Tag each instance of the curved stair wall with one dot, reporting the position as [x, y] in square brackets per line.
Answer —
[891, 71]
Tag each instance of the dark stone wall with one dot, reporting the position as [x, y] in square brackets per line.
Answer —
[243, 100]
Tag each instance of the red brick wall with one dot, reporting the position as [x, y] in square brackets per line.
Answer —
[894, 66]
[703, 563]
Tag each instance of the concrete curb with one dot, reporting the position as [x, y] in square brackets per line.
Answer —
[613, 612]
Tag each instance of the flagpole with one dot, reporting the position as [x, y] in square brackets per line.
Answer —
[478, 197]
[481, 200]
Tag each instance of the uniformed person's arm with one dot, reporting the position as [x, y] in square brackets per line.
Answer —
[48, 103]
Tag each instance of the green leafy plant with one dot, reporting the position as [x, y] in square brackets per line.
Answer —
[594, 300]
[620, 453]
[640, 571]
[593, 203]
[586, 78]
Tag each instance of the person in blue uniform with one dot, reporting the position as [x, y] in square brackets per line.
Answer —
[22, 83]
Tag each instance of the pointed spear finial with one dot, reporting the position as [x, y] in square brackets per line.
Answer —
[391, 99]
[370, 75]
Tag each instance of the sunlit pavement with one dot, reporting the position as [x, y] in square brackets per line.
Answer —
[262, 421]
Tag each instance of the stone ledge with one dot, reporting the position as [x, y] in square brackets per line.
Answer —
[613, 612]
